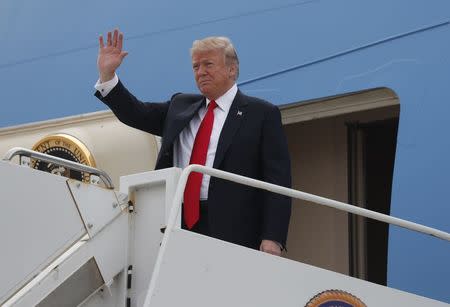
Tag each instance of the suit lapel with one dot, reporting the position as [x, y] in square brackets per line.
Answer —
[232, 123]
[183, 117]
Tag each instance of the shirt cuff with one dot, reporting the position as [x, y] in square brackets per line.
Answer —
[106, 87]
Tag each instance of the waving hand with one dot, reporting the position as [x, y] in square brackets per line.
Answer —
[110, 56]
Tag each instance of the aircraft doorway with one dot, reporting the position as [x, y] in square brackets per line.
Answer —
[318, 134]
[371, 152]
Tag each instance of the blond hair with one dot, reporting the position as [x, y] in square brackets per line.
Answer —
[218, 43]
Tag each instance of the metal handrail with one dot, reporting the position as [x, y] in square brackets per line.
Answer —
[304, 196]
[177, 200]
[19, 151]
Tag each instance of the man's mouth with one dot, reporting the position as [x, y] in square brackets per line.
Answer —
[203, 82]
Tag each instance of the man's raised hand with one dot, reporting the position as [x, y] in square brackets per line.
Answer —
[110, 56]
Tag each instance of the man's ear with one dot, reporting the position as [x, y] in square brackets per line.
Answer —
[232, 71]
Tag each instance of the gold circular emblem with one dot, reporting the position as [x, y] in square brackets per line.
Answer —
[66, 147]
[335, 298]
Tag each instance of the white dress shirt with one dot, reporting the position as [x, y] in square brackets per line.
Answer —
[183, 144]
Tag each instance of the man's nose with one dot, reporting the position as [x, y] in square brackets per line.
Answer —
[201, 70]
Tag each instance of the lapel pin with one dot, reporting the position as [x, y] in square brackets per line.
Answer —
[239, 113]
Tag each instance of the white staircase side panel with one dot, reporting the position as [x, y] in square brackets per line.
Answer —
[39, 221]
[168, 177]
[152, 194]
[113, 296]
[108, 249]
[97, 206]
[201, 271]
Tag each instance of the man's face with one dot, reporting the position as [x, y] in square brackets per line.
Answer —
[212, 75]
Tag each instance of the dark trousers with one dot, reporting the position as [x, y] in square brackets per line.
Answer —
[202, 226]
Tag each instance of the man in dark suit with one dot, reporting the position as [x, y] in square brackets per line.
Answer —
[222, 128]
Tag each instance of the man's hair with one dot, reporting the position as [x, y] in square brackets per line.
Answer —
[218, 43]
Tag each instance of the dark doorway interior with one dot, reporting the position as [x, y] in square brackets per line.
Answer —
[371, 155]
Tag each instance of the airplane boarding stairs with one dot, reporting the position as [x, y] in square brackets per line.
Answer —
[69, 243]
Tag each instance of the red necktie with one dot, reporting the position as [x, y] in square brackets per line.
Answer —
[191, 211]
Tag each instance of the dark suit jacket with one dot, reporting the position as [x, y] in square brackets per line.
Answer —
[252, 144]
